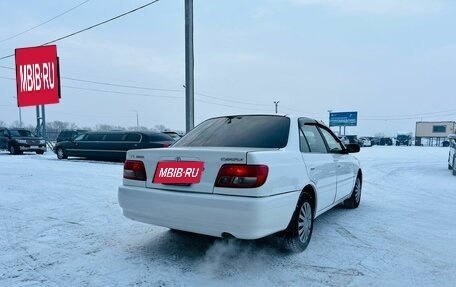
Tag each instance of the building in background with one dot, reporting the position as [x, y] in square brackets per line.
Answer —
[433, 133]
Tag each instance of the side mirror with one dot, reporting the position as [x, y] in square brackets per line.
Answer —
[353, 148]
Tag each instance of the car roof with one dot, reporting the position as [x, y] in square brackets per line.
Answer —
[292, 117]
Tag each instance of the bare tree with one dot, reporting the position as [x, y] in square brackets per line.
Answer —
[160, 127]
[15, 124]
[106, 128]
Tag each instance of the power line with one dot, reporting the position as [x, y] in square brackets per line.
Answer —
[144, 95]
[45, 22]
[122, 86]
[153, 89]
[5, 67]
[91, 27]
[223, 105]
[368, 118]
[7, 78]
[122, 93]
[232, 101]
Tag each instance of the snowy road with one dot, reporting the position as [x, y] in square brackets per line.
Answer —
[60, 225]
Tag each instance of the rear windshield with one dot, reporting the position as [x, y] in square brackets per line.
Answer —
[160, 137]
[239, 131]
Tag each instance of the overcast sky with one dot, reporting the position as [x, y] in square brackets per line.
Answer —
[392, 61]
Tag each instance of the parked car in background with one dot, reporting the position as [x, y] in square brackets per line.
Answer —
[344, 140]
[109, 145]
[385, 141]
[365, 142]
[172, 134]
[17, 141]
[66, 135]
[404, 138]
[352, 139]
[244, 176]
[452, 153]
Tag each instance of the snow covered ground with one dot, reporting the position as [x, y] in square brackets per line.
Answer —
[60, 225]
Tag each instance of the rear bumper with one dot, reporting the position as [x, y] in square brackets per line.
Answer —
[210, 214]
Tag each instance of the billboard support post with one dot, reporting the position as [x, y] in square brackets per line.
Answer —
[43, 123]
[40, 129]
[38, 118]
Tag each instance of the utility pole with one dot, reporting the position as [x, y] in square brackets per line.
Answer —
[276, 103]
[137, 120]
[189, 67]
[20, 114]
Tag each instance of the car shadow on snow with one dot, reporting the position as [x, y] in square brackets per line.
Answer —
[199, 253]
[221, 259]
[192, 247]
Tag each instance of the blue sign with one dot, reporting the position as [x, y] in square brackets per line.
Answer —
[343, 119]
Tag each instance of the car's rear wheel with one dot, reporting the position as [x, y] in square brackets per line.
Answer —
[355, 198]
[61, 153]
[40, 152]
[297, 236]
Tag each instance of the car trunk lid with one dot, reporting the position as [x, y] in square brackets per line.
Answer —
[212, 159]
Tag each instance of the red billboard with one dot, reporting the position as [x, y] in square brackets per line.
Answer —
[37, 76]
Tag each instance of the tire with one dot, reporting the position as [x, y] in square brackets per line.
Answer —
[355, 198]
[297, 236]
[61, 153]
[40, 152]
[13, 149]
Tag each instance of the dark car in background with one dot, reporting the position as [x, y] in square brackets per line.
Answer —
[17, 141]
[385, 141]
[110, 145]
[172, 134]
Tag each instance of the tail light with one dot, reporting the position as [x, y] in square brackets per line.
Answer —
[134, 169]
[241, 176]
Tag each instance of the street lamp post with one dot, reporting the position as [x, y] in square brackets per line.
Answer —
[276, 103]
[137, 120]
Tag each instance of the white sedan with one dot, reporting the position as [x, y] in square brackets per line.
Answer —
[244, 176]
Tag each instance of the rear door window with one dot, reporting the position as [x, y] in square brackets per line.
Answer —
[114, 137]
[261, 131]
[79, 137]
[133, 137]
[95, 137]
